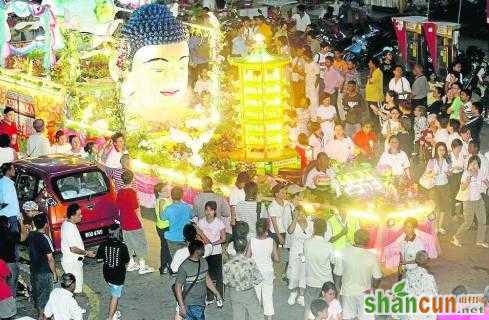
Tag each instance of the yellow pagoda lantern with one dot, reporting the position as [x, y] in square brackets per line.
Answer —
[263, 92]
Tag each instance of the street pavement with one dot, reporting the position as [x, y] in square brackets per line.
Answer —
[149, 297]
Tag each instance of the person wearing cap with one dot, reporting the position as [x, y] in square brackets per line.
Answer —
[9, 127]
[115, 256]
[61, 304]
[42, 264]
[37, 143]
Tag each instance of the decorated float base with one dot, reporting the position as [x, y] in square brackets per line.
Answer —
[268, 165]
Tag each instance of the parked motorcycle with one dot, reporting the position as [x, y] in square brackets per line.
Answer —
[371, 44]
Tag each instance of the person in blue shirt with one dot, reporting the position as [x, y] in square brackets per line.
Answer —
[9, 204]
[178, 214]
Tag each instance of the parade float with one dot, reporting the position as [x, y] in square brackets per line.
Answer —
[95, 75]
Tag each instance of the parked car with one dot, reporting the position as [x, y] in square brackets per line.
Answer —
[56, 181]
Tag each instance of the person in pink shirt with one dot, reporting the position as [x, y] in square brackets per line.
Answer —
[333, 80]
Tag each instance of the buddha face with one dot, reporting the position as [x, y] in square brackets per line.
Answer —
[157, 83]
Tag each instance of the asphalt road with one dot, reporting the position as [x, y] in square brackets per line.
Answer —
[148, 297]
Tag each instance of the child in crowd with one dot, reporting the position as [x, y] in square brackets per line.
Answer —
[115, 256]
[420, 122]
[326, 114]
[366, 140]
[330, 294]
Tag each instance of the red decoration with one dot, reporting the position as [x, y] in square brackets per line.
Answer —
[429, 29]
[401, 36]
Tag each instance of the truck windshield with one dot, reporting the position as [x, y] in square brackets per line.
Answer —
[81, 185]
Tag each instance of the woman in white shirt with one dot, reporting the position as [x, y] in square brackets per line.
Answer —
[457, 159]
[396, 159]
[7, 154]
[341, 147]
[299, 230]
[439, 168]
[384, 111]
[474, 182]
[393, 125]
[311, 69]
[326, 113]
[264, 252]
[60, 145]
[214, 229]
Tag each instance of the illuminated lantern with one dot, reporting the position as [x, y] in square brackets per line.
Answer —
[263, 94]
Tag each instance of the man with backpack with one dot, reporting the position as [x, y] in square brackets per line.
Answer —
[192, 282]
[115, 256]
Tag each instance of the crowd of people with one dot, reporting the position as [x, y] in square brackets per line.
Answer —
[236, 247]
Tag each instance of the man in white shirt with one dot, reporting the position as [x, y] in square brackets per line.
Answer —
[319, 256]
[400, 84]
[301, 18]
[357, 272]
[9, 203]
[37, 144]
[61, 304]
[72, 246]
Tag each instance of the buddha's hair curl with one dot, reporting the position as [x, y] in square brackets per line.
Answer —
[152, 24]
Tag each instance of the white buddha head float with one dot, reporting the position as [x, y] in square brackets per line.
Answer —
[154, 84]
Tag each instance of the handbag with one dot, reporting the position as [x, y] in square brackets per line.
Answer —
[427, 181]
[185, 292]
[462, 195]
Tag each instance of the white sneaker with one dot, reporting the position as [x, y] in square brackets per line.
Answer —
[145, 269]
[482, 244]
[117, 315]
[300, 301]
[455, 242]
[132, 266]
[292, 297]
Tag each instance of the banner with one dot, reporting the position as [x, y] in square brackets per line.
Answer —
[401, 36]
[429, 29]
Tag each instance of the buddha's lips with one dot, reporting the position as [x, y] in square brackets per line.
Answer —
[169, 93]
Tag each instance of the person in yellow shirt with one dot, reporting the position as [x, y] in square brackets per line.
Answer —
[374, 90]
[161, 202]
